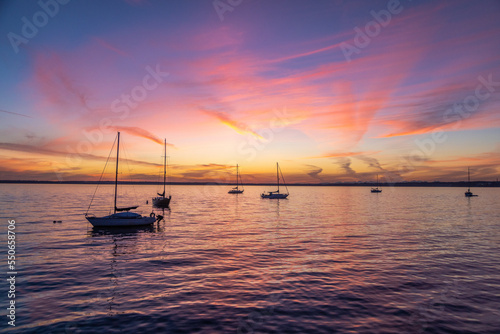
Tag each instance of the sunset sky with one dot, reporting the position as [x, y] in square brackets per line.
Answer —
[336, 91]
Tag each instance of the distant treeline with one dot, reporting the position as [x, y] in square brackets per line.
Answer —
[334, 184]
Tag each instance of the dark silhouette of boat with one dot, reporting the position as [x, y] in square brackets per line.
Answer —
[376, 190]
[121, 216]
[161, 201]
[469, 193]
[237, 190]
[276, 194]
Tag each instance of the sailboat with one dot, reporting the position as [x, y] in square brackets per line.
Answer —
[237, 190]
[277, 194]
[121, 216]
[468, 193]
[161, 201]
[376, 190]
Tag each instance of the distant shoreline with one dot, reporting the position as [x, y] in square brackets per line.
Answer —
[344, 184]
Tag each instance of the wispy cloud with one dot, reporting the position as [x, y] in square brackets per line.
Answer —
[239, 127]
[371, 161]
[443, 109]
[307, 53]
[314, 172]
[139, 132]
[345, 164]
[210, 171]
[108, 46]
[54, 79]
[51, 152]
[14, 113]
[344, 154]
[215, 166]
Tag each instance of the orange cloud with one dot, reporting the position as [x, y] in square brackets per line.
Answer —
[343, 154]
[235, 125]
[209, 172]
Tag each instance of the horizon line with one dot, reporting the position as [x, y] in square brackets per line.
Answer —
[323, 184]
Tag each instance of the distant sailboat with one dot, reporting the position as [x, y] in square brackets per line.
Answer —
[161, 201]
[237, 190]
[276, 194]
[468, 193]
[376, 190]
[121, 216]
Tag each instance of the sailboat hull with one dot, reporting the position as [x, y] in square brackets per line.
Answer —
[113, 221]
[161, 202]
[235, 191]
[274, 196]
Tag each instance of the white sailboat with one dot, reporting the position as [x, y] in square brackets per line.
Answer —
[237, 190]
[161, 201]
[376, 190]
[121, 216]
[469, 193]
[276, 194]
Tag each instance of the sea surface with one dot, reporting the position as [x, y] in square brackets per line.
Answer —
[325, 260]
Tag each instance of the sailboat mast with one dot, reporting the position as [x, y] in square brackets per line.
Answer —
[468, 178]
[116, 173]
[237, 177]
[278, 176]
[165, 168]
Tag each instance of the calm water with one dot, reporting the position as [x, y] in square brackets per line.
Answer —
[327, 260]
